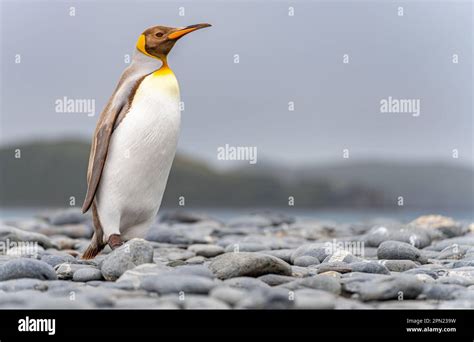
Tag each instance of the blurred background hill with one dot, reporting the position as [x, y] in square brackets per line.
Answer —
[48, 173]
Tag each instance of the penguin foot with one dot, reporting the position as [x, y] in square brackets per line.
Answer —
[115, 241]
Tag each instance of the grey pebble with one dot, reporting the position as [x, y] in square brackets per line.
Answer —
[65, 271]
[67, 216]
[136, 274]
[337, 266]
[15, 285]
[310, 299]
[454, 252]
[269, 299]
[166, 235]
[396, 250]
[144, 303]
[318, 251]
[87, 274]
[247, 283]
[207, 251]
[398, 265]
[275, 279]
[13, 234]
[228, 294]
[305, 261]
[283, 254]
[166, 284]
[441, 291]
[392, 287]
[369, 267]
[318, 282]
[230, 265]
[342, 256]
[196, 302]
[197, 260]
[413, 236]
[26, 268]
[55, 259]
[134, 252]
[466, 240]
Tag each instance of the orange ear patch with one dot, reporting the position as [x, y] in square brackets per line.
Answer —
[141, 45]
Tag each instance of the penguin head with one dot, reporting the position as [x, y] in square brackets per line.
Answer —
[157, 41]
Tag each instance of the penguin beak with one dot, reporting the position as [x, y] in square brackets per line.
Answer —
[182, 31]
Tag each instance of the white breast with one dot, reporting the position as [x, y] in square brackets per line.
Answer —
[139, 159]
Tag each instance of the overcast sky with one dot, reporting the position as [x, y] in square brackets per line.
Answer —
[282, 58]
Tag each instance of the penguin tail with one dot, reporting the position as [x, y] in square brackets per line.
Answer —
[97, 243]
[92, 251]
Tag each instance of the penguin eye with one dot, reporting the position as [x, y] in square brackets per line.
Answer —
[159, 34]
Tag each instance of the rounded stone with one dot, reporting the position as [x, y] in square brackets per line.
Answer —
[55, 259]
[306, 260]
[315, 250]
[26, 268]
[230, 265]
[133, 253]
[207, 251]
[396, 250]
[230, 295]
[87, 274]
[399, 265]
[318, 282]
[175, 284]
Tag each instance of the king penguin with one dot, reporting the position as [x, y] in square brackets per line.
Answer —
[134, 143]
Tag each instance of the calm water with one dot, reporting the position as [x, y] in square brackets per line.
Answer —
[337, 215]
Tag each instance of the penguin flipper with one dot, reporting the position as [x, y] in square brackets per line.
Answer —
[100, 146]
[114, 112]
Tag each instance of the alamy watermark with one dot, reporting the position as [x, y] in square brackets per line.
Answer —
[75, 106]
[407, 106]
[228, 152]
[338, 250]
[28, 324]
[18, 248]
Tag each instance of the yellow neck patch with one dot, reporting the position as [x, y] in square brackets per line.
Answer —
[163, 71]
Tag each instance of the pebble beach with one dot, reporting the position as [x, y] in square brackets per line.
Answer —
[263, 260]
